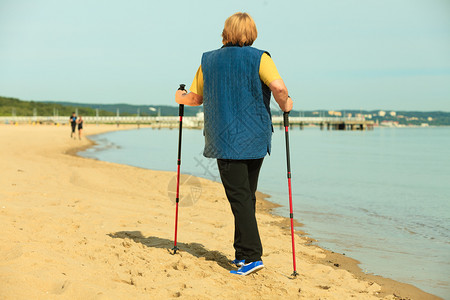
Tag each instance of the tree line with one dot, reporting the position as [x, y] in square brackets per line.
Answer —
[13, 106]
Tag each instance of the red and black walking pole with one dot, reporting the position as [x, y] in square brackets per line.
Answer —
[291, 214]
[177, 199]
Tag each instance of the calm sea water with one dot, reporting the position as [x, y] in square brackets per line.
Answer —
[382, 196]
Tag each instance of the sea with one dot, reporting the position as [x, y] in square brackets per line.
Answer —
[380, 196]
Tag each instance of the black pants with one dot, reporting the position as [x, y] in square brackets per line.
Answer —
[240, 179]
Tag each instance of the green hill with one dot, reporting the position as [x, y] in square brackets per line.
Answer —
[13, 106]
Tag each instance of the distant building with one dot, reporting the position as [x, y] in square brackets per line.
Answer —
[389, 123]
[424, 124]
[430, 119]
[369, 116]
[393, 113]
[381, 113]
[334, 113]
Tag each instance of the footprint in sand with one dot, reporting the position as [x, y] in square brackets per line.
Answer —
[179, 266]
[60, 288]
[12, 253]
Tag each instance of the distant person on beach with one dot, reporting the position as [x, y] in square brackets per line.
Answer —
[73, 123]
[80, 126]
[234, 84]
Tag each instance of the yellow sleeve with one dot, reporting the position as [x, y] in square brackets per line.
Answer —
[267, 70]
[197, 83]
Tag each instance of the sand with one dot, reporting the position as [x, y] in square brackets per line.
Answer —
[76, 228]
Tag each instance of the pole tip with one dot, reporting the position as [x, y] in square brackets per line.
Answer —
[174, 250]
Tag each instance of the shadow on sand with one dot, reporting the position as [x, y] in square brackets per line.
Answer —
[195, 249]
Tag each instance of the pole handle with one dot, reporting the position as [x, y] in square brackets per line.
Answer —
[181, 107]
[286, 118]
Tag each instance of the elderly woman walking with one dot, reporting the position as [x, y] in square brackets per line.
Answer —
[234, 84]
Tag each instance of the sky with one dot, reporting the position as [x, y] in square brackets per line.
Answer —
[346, 54]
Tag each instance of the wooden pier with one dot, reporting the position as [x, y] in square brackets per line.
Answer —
[196, 122]
[328, 123]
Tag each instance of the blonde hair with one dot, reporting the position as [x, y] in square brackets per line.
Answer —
[239, 29]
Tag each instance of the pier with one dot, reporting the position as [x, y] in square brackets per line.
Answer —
[334, 123]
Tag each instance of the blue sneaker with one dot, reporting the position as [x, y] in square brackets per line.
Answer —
[238, 262]
[249, 268]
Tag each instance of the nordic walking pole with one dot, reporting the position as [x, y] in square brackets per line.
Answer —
[291, 214]
[177, 199]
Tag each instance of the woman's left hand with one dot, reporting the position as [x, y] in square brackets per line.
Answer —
[179, 96]
[191, 99]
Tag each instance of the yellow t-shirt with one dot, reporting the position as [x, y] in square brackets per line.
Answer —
[267, 72]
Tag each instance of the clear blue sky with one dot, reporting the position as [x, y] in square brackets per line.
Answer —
[347, 54]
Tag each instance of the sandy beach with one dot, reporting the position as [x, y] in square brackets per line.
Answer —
[76, 228]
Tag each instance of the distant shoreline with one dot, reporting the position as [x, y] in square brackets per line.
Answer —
[15, 107]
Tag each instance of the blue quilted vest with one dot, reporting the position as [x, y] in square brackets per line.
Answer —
[236, 104]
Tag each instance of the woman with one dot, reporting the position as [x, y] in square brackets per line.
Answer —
[80, 126]
[234, 84]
